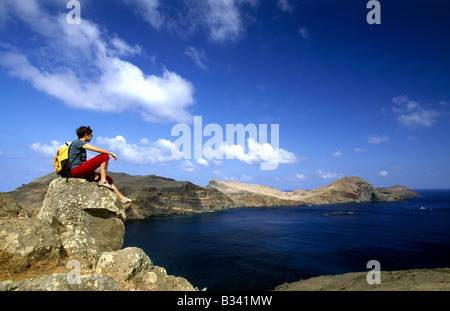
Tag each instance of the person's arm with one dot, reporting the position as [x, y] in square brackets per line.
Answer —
[99, 150]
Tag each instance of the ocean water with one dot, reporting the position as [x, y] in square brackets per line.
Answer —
[260, 248]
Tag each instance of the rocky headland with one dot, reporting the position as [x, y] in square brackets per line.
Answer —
[158, 196]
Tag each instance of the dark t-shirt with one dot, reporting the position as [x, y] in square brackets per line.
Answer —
[75, 149]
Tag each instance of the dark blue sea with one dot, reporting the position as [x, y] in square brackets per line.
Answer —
[260, 248]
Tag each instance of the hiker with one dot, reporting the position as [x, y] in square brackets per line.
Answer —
[81, 168]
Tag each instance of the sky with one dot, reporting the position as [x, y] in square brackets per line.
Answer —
[329, 94]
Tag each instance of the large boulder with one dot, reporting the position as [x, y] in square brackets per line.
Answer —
[89, 219]
[134, 270]
[27, 241]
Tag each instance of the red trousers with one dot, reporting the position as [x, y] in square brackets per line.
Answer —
[87, 169]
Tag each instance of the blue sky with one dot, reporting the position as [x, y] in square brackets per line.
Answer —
[349, 98]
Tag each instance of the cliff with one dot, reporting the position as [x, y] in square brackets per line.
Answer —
[157, 196]
[75, 243]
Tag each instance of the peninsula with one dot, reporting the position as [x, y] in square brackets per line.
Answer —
[158, 196]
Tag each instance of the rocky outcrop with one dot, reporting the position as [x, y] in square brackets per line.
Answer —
[134, 270]
[89, 219]
[26, 241]
[80, 224]
[398, 191]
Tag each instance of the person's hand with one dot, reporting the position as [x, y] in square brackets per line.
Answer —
[114, 156]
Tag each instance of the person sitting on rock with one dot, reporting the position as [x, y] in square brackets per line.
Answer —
[81, 168]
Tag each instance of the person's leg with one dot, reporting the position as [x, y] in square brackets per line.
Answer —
[87, 171]
[88, 168]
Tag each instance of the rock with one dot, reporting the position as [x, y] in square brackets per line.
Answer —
[9, 208]
[61, 282]
[403, 280]
[398, 191]
[89, 219]
[134, 270]
[30, 196]
[124, 264]
[26, 241]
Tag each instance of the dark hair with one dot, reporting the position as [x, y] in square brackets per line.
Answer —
[83, 130]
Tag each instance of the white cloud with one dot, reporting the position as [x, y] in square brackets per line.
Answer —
[412, 114]
[85, 68]
[46, 151]
[148, 9]
[197, 56]
[376, 139]
[188, 166]
[329, 175]
[257, 153]
[383, 173]
[300, 176]
[144, 153]
[338, 154]
[304, 33]
[224, 19]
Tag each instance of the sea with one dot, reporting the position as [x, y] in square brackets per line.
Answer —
[247, 249]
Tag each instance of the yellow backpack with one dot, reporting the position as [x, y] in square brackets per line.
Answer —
[62, 162]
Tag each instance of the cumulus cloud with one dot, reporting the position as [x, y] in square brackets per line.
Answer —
[376, 139]
[144, 153]
[197, 56]
[86, 68]
[46, 151]
[257, 153]
[413, 114]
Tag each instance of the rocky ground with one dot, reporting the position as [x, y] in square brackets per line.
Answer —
[74, 243]
[405, 280]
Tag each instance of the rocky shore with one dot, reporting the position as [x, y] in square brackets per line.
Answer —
[67, 234]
